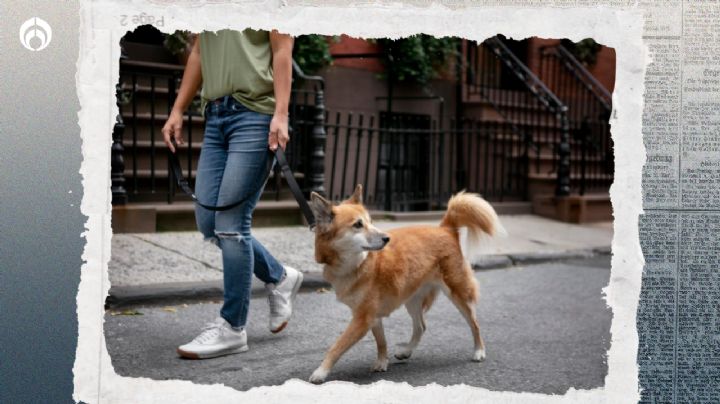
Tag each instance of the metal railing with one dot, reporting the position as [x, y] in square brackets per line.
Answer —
[493, 74]
[563, 109]
[147, 91]
[591, 106]
[414, 164]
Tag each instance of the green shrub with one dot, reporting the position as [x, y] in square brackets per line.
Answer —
[312, 52]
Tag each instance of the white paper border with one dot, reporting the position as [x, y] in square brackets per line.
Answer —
[98, 70]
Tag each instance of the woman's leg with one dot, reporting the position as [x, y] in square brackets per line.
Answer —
[211, 166]
[266, 267]
[244, 175]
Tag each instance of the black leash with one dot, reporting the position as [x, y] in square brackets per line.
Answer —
[287, 173]
[294, 187]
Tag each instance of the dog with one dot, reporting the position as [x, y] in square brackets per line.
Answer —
[375, 272]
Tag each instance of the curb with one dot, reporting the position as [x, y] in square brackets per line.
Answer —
[122, 296]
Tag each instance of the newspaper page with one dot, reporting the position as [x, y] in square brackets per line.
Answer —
[679, 350]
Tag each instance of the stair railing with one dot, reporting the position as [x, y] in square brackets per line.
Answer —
[601, 94]
[591, 108]
[526, 137]
[548, 99]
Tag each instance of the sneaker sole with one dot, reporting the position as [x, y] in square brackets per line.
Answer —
[294, 293]
[282, 327]
[194, 355]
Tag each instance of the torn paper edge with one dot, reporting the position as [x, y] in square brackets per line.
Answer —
[98, 70]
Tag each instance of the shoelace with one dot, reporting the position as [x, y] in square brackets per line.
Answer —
[211, 330]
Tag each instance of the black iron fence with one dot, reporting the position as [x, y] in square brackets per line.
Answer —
[413, 164]
[146, 94]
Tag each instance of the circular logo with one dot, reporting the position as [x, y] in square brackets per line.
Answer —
[35, 34]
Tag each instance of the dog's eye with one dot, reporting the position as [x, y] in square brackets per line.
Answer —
[358, 224]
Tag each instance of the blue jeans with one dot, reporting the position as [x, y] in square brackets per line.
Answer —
[233, 165]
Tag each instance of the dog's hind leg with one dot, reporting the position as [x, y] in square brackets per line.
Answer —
[462, 292]
[382, 359]
[467, 309]
[414, 307]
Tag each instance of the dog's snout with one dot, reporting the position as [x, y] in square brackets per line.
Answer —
[386, 239]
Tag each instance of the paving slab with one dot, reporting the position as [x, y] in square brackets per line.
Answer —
[137, 261]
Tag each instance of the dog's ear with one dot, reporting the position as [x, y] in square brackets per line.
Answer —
[322, 208]
[356, 197]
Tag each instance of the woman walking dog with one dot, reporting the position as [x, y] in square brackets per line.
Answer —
[246, 78]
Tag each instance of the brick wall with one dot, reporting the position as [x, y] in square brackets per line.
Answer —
[349, 45]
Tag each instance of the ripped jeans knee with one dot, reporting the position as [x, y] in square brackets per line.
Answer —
[215, 236]
[245, 238]
[211, 238]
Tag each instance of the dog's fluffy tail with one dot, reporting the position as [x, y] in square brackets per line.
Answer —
[472, 211]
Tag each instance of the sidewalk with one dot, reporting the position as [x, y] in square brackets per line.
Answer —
[148, 267]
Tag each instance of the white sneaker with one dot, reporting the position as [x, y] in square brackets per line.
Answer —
[217, 339]
[281, 297]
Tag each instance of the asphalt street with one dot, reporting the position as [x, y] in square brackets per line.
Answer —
[546, 328]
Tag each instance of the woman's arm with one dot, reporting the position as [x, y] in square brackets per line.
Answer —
[191, 81]
[281, 45]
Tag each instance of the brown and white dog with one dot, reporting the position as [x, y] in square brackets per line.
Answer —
[375, 272]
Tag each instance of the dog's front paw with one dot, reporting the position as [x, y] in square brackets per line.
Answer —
[479, 355]
[380, 365]
[319, 375]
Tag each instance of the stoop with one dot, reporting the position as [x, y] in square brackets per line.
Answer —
[574, 208]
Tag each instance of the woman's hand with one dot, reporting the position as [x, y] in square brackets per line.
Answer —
[173, 129]
[278, 131]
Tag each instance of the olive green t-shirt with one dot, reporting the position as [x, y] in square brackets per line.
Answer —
[238, 64]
